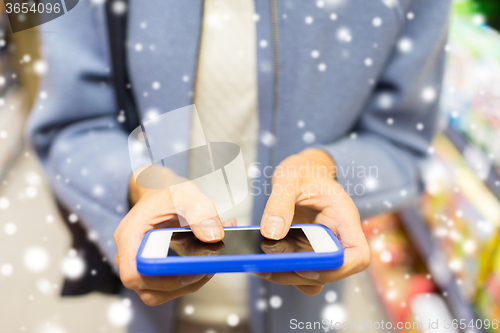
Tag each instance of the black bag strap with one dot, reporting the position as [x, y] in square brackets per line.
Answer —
[117, 36]
[99, 276]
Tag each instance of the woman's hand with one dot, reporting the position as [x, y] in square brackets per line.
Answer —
[305, 191]
[153, 209]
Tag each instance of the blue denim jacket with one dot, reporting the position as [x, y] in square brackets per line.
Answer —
[360, 79]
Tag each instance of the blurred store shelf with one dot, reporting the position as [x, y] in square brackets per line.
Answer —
[478, 161]
[437, 264]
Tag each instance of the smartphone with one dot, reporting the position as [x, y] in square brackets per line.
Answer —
[243, 249]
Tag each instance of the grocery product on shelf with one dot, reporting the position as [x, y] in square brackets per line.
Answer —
[462, 214]
[398, 274]
[471, 92]
[488, 298]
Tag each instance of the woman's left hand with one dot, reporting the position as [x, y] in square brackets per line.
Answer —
[304, 190]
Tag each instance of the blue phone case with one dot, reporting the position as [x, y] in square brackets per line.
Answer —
[261, 262]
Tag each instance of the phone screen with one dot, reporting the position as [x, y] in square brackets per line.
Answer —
[237, 242]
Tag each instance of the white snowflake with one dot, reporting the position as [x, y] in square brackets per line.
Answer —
[309, 137]
[344, 35]
[390, 121]
[385, 101]
[386, 256]
[185, 78]
[7, 269]
[267, 139]
[73, 266]
[371, 183]
[4, 203]
[368, 62]
[40, 67]
[301, 124]
[31, 192]
[26, 58]
[478, 19]
[309, 20]
[420, 126]
[253, 171]
[156, 85]
[410, 16]
[43, 95]
[315, 54]
[120, 313]
[377, 21]
[36, 259]
[143, 25]
[44, 286]
[10, 228]
[428, 94]
[336, 313]
[331, 296]
[405, 45]
[189, 309]
[275, 302]
[263, 43]
[322, 67]
[73, 218]
[2, 80]
[261, 304]
[455, 265]
[93, 235]
[138, 47]
[233, 320]
[121, 118]
[333, 16]
[119, 7]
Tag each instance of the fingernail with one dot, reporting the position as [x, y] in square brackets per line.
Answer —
[211, 229]
[311, 275]
[190, 279]
[264, 275]
[273, 228]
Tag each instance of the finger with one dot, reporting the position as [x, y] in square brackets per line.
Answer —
[230, 223]
[158, 283]
[309, 290]
[341, 216]
[199, 212]
[356, 259]
[288, 278]
[154, 297]
[280, 207]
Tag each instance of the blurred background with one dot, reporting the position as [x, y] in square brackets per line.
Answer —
[439, 259]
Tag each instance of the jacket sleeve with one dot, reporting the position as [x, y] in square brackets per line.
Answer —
[378, 164]
[73, 126]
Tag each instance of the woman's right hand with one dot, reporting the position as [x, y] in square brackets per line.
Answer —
[154, 209]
